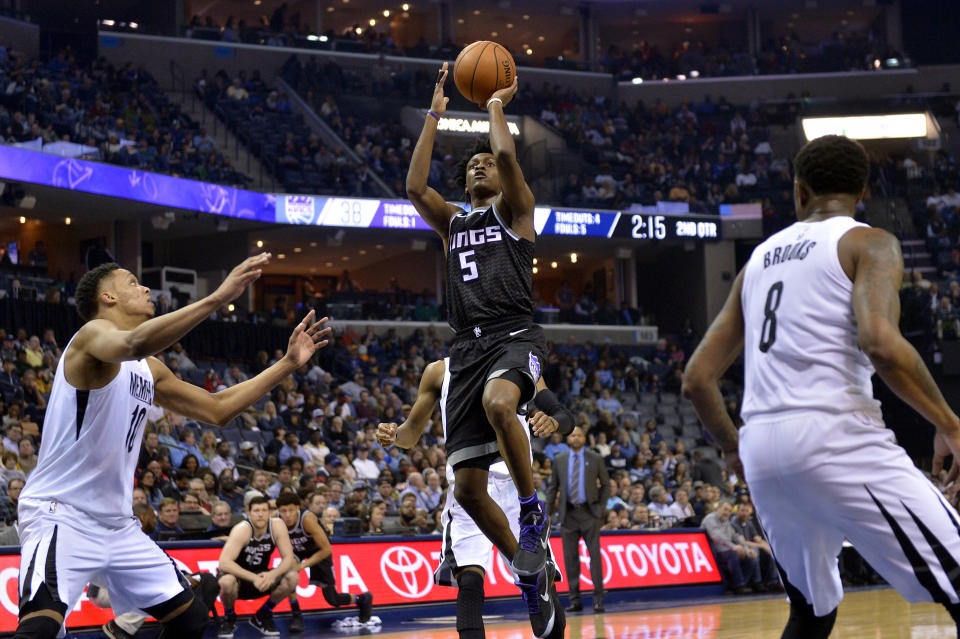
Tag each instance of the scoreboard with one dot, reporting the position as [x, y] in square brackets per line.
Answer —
[400, 214]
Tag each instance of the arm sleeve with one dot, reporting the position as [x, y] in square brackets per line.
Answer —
[547, 401]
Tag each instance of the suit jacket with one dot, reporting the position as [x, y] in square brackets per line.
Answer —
[593, 470]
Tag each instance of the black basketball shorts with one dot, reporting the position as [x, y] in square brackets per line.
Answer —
[515, 349]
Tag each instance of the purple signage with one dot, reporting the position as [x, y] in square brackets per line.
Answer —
[116, 181]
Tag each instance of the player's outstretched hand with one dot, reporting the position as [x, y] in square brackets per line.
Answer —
[244, 274]
[543, 425]
[308, 337]
[505, 95]
[387, 434]
[439, 103]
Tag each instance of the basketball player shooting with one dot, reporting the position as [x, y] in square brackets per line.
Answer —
[816, 311]
[466, 552]
[76, 518]
[497, 350]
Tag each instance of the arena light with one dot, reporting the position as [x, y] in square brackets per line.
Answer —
[535, 270]
[637, 80]
[231, 308]
[373, 22]
[67, 221]
[323, 38]
[313, 38]
[554, 265]
[297, 249]
[573, 258]
[134, 25]
[405, 6]
[281, 256]
[868, 127]
[534, 259]
[107, 23]
[259, 243]
[386, 13]
[23, 220]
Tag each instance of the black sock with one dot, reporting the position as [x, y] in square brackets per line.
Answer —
[230, 613]
[529, 504]
[529, 580]
[268, 605]
[295, 605]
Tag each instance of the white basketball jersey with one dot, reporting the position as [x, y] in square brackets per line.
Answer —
[498, 470]
[91, 443]
[801, 348]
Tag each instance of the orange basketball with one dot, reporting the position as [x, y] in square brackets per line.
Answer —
[482, 68]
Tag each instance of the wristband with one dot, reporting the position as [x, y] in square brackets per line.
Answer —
[494, 100]
[434, 114]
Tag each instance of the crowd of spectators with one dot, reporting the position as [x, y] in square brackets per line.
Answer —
[97, 111]
[788, 53]
[847, 50]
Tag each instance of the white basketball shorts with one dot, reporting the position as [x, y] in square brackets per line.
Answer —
[818, 478]
[65, 548]
[463, 542]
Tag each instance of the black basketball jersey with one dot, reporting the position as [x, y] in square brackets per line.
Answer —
[255, 556]
[303, 544]
[489, 271]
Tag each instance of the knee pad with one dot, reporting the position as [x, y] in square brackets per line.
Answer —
[804, 624]
[39, 627]
[189, 624]
[470, 605]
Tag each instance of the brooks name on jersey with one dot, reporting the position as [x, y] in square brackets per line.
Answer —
[788, 252]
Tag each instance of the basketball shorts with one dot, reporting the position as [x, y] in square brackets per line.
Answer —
[819, 478]
[463, 543]
[65, 548]
[247, 591]
[476, 357]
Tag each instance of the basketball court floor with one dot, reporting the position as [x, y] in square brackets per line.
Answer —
[873, 613]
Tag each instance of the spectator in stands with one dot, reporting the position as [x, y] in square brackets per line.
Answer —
[555, 446]
[179, 487]
[365, 467]
[387, 494]
[230, 493]
[150, 450]
[291, 446]
[208, 447]
[249, 456]
[11, 440]
[27, 457]
[681, 509]
[316, 450]
[224, 460]
[259, 484]
[9, 470]
[188, 446]
[284, 477]
[220, 521]
[753, 539]
[168, 519]
[739, 562]
[148, 483]
[8, 505]
[706, 469]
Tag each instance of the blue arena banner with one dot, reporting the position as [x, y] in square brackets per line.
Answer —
[117, 181]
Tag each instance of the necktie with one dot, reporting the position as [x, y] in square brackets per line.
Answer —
[575, 479]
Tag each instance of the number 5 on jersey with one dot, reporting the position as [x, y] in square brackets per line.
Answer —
[768, 333]
[469, 266]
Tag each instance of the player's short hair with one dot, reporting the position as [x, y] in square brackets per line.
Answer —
[480, 145]
[833, 164]
[288, 499]
[88, 290]
[259, 499]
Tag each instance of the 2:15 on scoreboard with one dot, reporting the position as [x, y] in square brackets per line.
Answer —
[662, 227]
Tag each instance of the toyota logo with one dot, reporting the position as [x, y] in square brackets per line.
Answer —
[412, 572]
[585, 564]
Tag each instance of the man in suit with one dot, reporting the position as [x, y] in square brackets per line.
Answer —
[580, 489]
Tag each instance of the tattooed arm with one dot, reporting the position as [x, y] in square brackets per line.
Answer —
[716, 352]
[872, 259]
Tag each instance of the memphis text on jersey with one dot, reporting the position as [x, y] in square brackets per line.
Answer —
[141, 388]
[475, 237]
[783, 254]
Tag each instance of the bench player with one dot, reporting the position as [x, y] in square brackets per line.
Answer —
[75, 512]
[465, 550]
[816, 311]
[244, 568]
[315, 554]
[497, 352]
